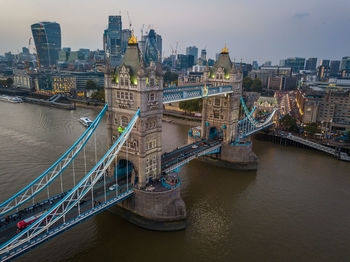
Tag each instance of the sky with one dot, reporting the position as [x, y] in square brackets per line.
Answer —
[252, 29]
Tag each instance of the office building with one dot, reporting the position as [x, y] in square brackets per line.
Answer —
[311, 64]
[192, 50]
[323, 73]
[126, 34]
[204, 55]
[255, 65]
[152, 47]
[268, 71]
[47, 39]
[112, 39]
[345, 63]
[323, 102]
[334, 68]
[185, 61]
[295, 63]
[324, 62]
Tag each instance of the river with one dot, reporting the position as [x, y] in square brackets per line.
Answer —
[295, 207]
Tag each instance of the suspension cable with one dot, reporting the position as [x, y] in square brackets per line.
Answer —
[73, 174]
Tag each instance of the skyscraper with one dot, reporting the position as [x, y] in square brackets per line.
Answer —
[112, 39]
[311, 64]
[151, 47]
[192, 50]
[47, 39]
[204, 54]
[126, 34]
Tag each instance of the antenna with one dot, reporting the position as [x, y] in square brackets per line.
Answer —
[130, 23]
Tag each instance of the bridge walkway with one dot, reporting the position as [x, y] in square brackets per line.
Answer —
[341, 155]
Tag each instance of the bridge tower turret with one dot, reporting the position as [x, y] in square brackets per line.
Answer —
[133, 86]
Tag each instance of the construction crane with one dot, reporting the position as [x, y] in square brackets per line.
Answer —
[37, 47]
[174, 53]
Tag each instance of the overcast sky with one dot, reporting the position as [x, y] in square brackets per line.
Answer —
[252, 29]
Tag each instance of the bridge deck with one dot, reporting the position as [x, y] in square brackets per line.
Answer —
[183, 155]
[8, 227]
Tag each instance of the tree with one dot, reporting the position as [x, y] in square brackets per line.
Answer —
[289, 123]
[91, 85]
[99, 95]
[9, 82]
[256, 85]
[191, 105]
[170, 77]
[311, 128]
[247, 83]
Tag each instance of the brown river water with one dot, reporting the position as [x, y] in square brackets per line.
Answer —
[295, 207]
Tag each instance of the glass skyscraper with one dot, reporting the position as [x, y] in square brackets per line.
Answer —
[47, 39]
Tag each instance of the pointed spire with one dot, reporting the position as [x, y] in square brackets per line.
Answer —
[234, 68]
[133, 39]
[224, 50]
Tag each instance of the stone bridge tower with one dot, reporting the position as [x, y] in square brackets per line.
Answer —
[220, 114]
[129, 87]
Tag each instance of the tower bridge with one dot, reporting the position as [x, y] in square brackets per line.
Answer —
[131, 178]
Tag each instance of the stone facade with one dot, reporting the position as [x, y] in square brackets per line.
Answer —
[222, 112]
[133, 87]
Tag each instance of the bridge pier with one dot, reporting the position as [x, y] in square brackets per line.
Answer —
[159, 211]
[236, 157]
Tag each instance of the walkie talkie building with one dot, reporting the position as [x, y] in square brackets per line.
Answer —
[47, 38]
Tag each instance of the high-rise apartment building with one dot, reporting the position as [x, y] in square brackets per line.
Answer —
[47, 39]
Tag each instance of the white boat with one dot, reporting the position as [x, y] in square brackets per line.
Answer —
[11, 99]
[85, 121]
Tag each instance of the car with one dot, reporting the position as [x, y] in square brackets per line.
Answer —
[113, 187]
[194, 146]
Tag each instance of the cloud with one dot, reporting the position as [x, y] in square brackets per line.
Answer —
[301, 15]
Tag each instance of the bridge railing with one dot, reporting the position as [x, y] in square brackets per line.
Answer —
[51, 173]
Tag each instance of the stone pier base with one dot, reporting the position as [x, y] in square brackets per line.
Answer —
[160, 211]
[237, 157]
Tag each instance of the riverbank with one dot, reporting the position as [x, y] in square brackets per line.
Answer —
[41, 99]
[181, 119]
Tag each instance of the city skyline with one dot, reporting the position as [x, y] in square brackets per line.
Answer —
[273, 32]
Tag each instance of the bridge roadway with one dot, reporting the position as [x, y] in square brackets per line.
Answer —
[182, 155]
[9, 229]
